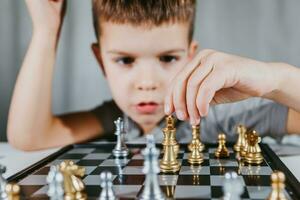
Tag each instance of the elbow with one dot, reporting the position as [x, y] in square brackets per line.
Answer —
[17, 141]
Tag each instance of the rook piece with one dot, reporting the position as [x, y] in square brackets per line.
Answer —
[278, 185]
[222, 151]
[169, 162]
[3, 182]
[232, 186]
[55, 180]
[196, 138]
[253, 153]
[13, 191]
[241, 130]
[151, 189]
[120, 149]
[107, 192]
[73, 185]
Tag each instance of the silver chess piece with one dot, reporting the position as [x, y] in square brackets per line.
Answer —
[107, 192]
[120, 149]
[55, 181]
[151, 189]
[232, 186]
[3, 183]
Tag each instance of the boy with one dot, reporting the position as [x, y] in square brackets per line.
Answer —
[149, 59]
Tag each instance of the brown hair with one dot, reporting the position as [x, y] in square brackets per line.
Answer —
[143, 12]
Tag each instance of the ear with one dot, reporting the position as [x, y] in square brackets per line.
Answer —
[193, 49]
[96, 50]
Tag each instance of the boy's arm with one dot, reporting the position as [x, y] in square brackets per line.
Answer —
[214, 77]
[31, 124]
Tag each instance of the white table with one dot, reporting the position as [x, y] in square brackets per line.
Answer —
[16, 160]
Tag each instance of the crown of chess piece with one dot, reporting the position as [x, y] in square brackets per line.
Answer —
[222, 151]
[107, 192]
[170, 127]
[55, 181]
[241, 130]
[3, 183]
[196, 138]
[169, 162]
[120, 149]
[195, 157]
[278, 185]
[253, 153]
[73, 185]
[12, 191]
[151, 190]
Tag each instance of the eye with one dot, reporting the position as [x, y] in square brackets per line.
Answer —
[168, 58]
[125, 60]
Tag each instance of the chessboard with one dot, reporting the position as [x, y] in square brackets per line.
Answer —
[190, 182]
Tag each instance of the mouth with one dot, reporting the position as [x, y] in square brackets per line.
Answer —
[147, 107]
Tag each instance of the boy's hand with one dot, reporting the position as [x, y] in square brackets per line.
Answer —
[47, 15]
[214, 77]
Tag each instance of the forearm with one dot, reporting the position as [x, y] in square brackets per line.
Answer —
[30, 112]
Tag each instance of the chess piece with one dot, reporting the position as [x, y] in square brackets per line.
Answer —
[3, 182]
[241, 130]
[244, 148]
[170, 127]
[107, 192]
[151, 190]
[195, 157]
[222, 151]
[253, 153]
[55, 181]
[232, 186]
[278, 185]
[73, 185]
[120, 149]
[13, 191]
[196, 138]
[169, 162]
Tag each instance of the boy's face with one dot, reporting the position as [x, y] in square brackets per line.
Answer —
[139, 64]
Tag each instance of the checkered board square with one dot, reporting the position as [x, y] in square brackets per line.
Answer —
[191, 182]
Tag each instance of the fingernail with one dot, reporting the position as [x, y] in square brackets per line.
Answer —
[180, 115]
[192, 121]
[167, 109]
[197, 121]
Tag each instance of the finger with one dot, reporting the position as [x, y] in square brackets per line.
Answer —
[168, 105]
[179, 83]
[210, 85]
[193, 85]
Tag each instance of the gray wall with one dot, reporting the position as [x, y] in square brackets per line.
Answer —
[268, 30]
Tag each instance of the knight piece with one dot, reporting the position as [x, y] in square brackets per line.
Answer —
[253, 153]
[120, 149]
[196, 138]
[222, 151]
[241, 130]
[73, 185]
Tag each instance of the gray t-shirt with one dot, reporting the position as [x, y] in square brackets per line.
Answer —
[265, 116]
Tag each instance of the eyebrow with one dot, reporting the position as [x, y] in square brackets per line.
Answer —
[164, 52]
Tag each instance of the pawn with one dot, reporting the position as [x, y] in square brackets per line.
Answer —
[222, 151]
[232, 186]
[120, 149]
[107, 192]
[195, 157]
[55, 180]
[13, 191]
[253, 154]
[278, 185]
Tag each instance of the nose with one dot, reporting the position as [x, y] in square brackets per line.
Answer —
[146, 85]
[147, 79]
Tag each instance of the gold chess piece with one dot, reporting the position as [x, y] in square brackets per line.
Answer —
[169, 162]
[241, 130]
[196, 138]
[278, 185]
[170, 127]
[13, 191]
[253, 153]
[73, 185]
[244, 148]
[222, 151]
[195, 157]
